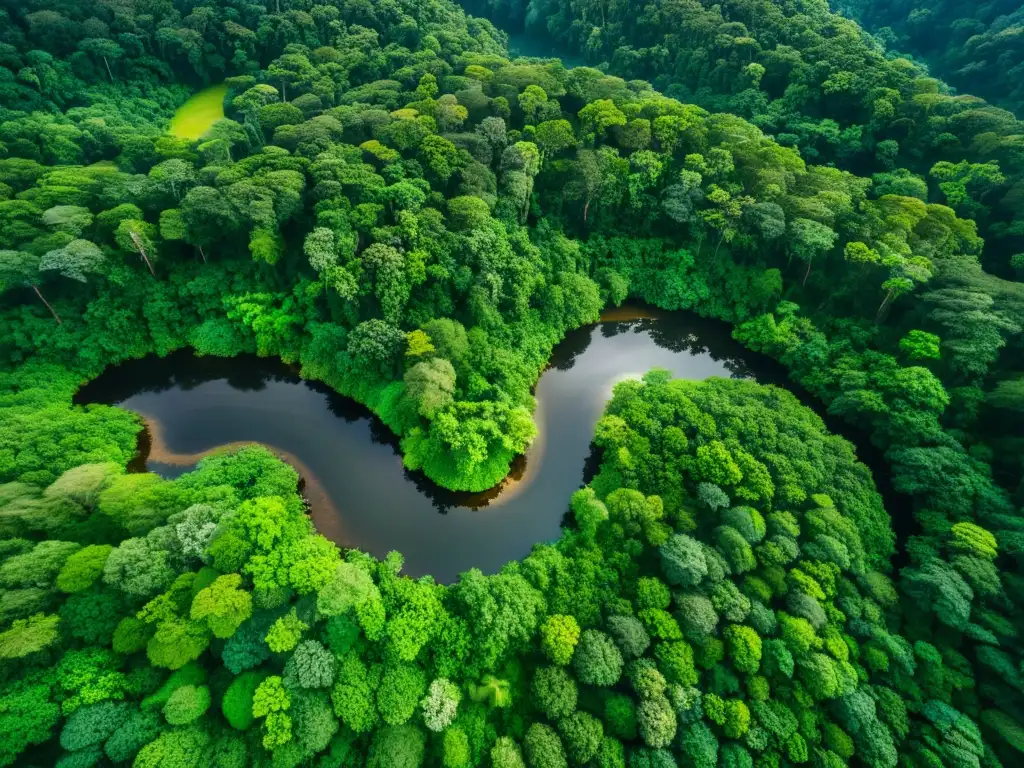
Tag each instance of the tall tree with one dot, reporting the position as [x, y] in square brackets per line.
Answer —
[22, 268]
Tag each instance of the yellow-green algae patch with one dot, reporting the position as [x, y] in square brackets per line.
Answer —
[103, 166]
[196, 115]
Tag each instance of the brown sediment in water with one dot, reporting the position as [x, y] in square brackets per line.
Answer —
[524, 468]
[522, 472]
[153, 447]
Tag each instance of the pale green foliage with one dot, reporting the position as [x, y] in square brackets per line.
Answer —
[76, 261]
[313, 665]
[431, 385]
[83, 568]
[222, 605]
[270, 696]
[137, 568]
[506, 754]
[683, 561]
[349, 588]
[440, 705]
[559, 635]
[492, 690]
[28, 636]
[285, 633]
[597, 660]
[187, 704]
[455, 747]
[629, 635]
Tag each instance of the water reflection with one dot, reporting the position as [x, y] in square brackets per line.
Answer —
[535, 43]
[359, 491]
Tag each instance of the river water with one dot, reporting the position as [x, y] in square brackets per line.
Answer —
[533, 44]
[360, 495]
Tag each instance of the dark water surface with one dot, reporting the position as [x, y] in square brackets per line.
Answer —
[361, 495]
[535, 43]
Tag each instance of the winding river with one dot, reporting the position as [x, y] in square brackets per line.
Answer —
[360, 495]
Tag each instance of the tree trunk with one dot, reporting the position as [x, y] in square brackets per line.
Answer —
[43, 299]
[142, 252]
[715, 259]
[881, 307]
[585, 209]
[806, 274]
[201, 253]
[108, 69]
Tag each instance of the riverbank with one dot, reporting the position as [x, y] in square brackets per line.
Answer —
[360, 493]
[154, 449]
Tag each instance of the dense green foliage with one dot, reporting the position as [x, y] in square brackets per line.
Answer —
[815, 80]
[415, 219]
[663, 627]
[976, 47]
